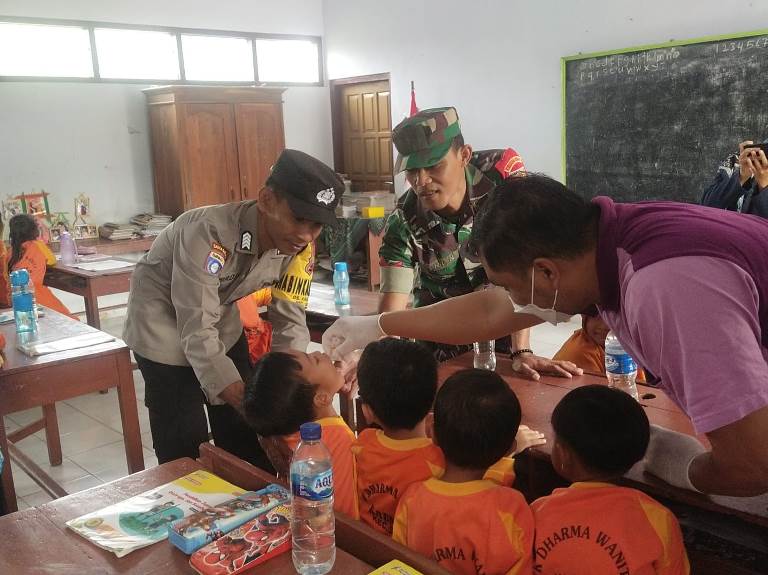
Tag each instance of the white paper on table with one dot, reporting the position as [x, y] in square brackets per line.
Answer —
[103, 266]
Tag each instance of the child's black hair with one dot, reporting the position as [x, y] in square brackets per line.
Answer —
[21, 228]
[277, 398]
[397, 378]
[476, 418]
[606, 428]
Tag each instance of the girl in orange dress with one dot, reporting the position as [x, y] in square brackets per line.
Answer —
[32, 254]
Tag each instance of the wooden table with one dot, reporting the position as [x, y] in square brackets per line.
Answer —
[90, 285]
[359, 549]
[113, 247]
[27, 382]
[322, 312]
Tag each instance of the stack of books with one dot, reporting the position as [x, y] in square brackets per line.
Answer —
[113, 231]
[151, 225]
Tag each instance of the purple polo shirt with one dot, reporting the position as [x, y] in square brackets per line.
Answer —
[685, 289]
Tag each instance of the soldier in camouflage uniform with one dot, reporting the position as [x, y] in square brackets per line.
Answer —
[423, 249]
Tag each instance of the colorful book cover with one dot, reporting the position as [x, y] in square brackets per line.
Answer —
[192, 532]
[395, 567]
[260, 539]
[143, 520]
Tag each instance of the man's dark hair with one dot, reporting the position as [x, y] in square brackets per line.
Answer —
[397, 378]
[606, 428]
[278, 399]
[533, 216]
[476, 418]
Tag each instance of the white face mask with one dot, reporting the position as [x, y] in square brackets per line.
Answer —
[550, 315]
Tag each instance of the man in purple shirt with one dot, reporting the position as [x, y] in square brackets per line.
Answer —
[684, 287]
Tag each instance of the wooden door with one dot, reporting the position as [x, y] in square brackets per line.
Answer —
[259, 142]
[210, 155]
[366, 133]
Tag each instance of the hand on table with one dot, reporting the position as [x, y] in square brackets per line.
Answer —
[532, 366]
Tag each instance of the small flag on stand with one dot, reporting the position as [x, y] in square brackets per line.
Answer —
[414, 107]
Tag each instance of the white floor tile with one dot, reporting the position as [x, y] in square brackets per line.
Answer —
[38, 498]
[100, 458]
[81, 484]
[25, 417]
[81, 441]
[23, 483]
[70, 420]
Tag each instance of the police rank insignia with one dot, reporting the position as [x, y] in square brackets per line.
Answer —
[246, 239]
[216, 258]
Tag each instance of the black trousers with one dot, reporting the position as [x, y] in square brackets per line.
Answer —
[177, 407]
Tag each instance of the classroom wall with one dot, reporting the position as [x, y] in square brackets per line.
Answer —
[498, 61]
[72, 138]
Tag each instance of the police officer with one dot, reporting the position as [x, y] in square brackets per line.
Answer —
[423, 246]
[183, 323]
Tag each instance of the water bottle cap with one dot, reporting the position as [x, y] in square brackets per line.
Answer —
[310, 431]
[19, 277]
[340, 267]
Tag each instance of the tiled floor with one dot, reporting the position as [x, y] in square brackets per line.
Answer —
[91, 432]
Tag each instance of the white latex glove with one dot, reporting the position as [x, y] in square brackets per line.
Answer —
[350, 333]
[348, 368]
[670, 454]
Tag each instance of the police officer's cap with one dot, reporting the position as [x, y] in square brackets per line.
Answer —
[311, 188]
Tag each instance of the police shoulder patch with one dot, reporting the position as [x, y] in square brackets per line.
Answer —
[214, 263]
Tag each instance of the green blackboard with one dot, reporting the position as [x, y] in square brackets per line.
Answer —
[654, 122]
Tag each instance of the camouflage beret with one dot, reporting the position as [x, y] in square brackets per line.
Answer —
[422, 140]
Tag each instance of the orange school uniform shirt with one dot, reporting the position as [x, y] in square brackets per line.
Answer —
[468, 528]
[593, 528]
[586, 354]
[338, 438]
[385, 468]
[36, 257]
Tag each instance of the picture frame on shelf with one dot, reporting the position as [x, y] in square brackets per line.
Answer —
[85, 231]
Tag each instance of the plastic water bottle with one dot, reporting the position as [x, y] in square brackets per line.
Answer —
[341, 285]
[312, 520]
[24, 307]
[620, 368]
[485, 355]
[68, 249]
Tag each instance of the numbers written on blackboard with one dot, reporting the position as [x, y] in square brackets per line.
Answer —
[741, 45]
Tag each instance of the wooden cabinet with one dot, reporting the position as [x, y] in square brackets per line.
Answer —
[212, 145]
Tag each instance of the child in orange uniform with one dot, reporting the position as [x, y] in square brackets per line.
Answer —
[397, 382]
[586, 346]
[466, 523]
[287, 389]
[594, 527]
[31, 253]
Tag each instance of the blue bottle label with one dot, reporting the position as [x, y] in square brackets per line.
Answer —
[23, 302]
[620, 364]
[313, 487]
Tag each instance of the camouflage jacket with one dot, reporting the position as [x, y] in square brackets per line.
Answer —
[424, 252]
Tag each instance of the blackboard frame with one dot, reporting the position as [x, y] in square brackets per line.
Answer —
[566, 60]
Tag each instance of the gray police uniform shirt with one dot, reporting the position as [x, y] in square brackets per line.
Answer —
[182, 304]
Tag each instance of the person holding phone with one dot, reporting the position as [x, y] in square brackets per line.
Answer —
[753, 164]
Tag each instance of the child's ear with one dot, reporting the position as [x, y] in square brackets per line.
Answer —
[370, 418]
[429, 426]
